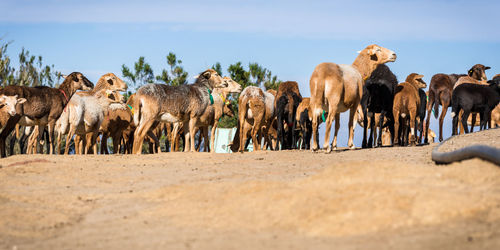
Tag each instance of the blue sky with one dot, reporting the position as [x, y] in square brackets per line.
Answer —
[288, 37]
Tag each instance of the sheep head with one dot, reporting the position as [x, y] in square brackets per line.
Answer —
[112, 82]
[416, 80]
[379, 54]
[211, 79]
[8, 103]
[478, 72]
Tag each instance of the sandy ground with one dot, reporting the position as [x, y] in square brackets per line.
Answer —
[389, 198]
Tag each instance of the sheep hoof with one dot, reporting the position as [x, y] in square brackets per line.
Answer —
[328, 149]
[352, 147]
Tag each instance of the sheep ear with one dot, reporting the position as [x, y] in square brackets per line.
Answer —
[206, 74]
[487, 68]
[21, 100]
[359, 51]
[196, 76]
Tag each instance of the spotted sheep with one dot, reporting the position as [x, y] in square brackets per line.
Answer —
[174, 104]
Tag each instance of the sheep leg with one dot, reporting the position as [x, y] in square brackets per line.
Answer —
[241, 123]
[315, 125]
[187, 136]
[50, 143]
[104, 144]
[365, 128]
[93, 141]
[200, 138]
[192, 127]
[68, 140]
[116, 142]
[474, 122]
[332, 110]
[243, 135]
[257, 124]
[212, 137]
[139, 134]
[430, 103]
[445, 103]
[336, 131]
[205, 139]
[461, 125]
[396, 128]
[380, 126]
[39, 146]
[173, 137]
[281, 139]
[372, 129]
[465, 116]
[413, 122]
[352, 113]
[154, 146]
[482, 120]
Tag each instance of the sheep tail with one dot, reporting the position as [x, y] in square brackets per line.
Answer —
[137, 111]
[436, 106]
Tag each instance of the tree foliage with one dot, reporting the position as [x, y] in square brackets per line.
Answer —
[177, 75]
[142, 74]
[31, 72]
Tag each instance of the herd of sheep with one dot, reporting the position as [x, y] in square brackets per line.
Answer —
[283, 119]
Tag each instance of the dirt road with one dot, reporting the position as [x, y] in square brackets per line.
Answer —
[374, 198]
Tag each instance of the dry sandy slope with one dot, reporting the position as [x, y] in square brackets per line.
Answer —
[374, 198]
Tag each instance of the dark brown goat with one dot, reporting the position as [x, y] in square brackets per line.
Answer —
[440, 90]
[43, 107]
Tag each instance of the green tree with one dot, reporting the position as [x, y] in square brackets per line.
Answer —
[271, 82]
[217, 68]
[176, 76]
[6, 71]
[143, 73]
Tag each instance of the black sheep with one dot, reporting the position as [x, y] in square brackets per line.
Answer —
[474, 98]
[378, 95]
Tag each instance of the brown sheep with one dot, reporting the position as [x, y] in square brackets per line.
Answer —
[251, 114]
[43, 107]
[406, 104]
[214, 112]
[336, 88]
[440, 89]
[116, 120]
[286, 102]
[304, 124]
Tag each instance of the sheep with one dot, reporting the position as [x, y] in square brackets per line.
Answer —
[269, 129]
[440, 89]
[185, 103]
[43, 107]
[336, 88]
[406, 104]
[474, 98]
[8, 107]
[251, 114]
[108, 81]
[304, 123]
[116, 120]
[214, 112]
[84, 116]
[287, 100]
[227, 110]
[378, 95]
